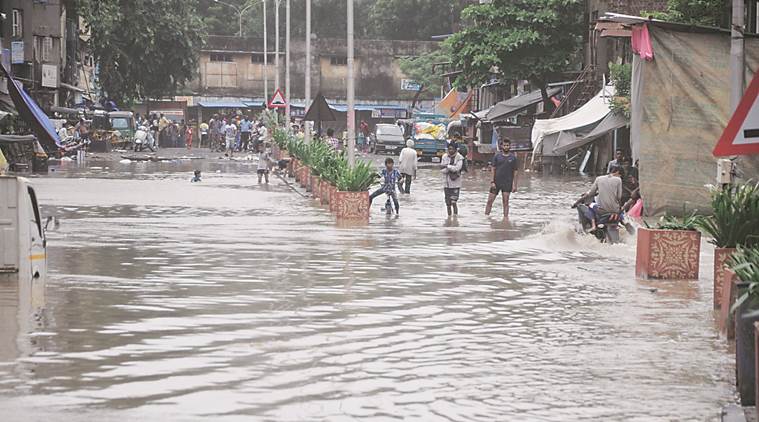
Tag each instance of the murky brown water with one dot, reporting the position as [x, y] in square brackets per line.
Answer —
[236, 301]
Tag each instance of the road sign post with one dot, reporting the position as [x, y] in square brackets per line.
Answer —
[277, 100]
[741, 136]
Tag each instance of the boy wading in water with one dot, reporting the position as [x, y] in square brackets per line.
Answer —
[390, 177]
[263, 163]
[505, 165]
[450, 166]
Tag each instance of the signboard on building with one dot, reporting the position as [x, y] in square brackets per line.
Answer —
[50, 76]
[410, 85]
[17, 52]
[389, 113]
[189, 100]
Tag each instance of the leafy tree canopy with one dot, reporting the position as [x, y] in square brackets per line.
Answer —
[517, 39]
[384, 19]
[696, 12]
[420, 69]
[144, 48]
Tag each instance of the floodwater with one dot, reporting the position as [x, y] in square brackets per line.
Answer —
[237, 301]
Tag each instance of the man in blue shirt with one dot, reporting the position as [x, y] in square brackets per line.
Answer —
[504, 165]
[390, 177]
[245, 129]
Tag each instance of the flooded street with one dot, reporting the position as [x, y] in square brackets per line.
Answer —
[237, 301]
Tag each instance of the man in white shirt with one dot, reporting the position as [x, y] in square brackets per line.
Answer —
[407, 165]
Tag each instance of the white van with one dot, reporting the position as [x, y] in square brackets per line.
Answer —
[23, 264]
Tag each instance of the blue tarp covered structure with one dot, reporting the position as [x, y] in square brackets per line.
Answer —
[32, 113]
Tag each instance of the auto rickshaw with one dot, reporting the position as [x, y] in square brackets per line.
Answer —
[123, 123]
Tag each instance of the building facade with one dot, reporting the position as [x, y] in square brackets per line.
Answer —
[233, 67]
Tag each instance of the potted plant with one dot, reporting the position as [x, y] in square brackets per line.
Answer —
[318, 155]
[669, 251]
[333, 166]
[745, 263]
[352, 196]
[734, 222]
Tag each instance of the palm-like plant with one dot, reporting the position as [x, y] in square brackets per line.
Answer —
[358, 178]
[735, 218]
[745, 263]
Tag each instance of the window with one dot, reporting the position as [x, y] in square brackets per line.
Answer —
[221, 57]
[338, 61]
[259, 58]
[17, 22]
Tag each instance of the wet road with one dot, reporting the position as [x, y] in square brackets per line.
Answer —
[236, 301]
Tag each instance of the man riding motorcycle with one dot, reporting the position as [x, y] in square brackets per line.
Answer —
[607, 191]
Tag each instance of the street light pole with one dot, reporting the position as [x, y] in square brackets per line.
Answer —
[266, 59]
[240, 12]
[351, 92]
[287, 65]
[737, 59]
[276, 42]
[307, 128]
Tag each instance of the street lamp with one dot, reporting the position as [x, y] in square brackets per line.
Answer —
[239, 11]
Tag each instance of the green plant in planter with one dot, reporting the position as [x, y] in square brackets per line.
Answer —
[690, 222]
[317, 153]
[281, 137]
[358, 178]
[735, 218]
[296, 147]
[745, 263]
[333, 165]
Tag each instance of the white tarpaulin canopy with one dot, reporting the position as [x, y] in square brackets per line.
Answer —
[554, 137]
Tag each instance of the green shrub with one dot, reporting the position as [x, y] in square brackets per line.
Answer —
[358, 178]
[735, 216]
[689, 222]
[745, 263]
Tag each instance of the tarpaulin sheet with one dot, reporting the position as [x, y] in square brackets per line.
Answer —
[591, 113]
[32, 114]
[681, 99]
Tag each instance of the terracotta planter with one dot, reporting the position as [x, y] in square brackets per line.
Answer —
[305, 177]
[296, 169]
[315, 188]
[291, 168]
[324, 192]
[352, 205]
[745, 351]
[668, 254]
[721, 255]
[726, 321]
[332, 198]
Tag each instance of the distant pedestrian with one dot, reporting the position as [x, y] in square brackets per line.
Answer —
[264, 159]
[390, 177]
[333, 141]
[407, 165]
[619, 156]
[203, 133]
[450, 166]
[188, 136]
[505, 167]
[245, 129]
[230, 134]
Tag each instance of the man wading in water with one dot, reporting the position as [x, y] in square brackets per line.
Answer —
[451, 165]
[505, 165]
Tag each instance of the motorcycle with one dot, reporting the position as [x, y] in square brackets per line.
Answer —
[142, 139]
[607, 223]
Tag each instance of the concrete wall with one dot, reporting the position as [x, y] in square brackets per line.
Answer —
[378, 76]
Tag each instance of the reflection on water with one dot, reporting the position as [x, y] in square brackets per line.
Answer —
[236, 300]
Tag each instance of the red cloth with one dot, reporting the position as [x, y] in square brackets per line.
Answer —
[641, 42]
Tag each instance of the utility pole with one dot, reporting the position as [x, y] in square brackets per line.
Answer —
[266, 58]
[351, 92]
[276, 46]
[287, 65]
[737, 60]
[307, 125]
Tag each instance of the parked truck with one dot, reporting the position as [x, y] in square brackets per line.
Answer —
[23, 256]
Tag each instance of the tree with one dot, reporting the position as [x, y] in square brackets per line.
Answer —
[414, 19]
[696, 12]
[517, 39]
[143, 48]
[420, 69]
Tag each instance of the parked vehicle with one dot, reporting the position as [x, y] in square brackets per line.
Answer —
[23, 245]
[388, 138]
[429, 136]
[24, 153]
[123, 123]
